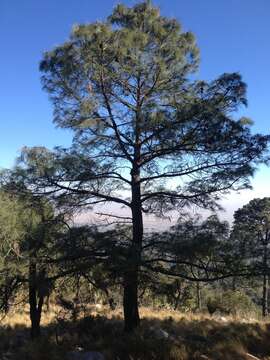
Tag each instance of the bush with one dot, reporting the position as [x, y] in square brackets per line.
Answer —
[231, 302]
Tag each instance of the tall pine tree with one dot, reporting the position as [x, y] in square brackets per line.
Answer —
[146, 136]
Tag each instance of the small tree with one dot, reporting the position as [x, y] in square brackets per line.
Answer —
[195, 250]
[28, 233]
[251, 236]
[146, 136]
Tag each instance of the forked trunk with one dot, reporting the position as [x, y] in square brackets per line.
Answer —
[35, 316]
[35, 302]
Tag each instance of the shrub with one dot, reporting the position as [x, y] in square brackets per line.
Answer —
[231, 302]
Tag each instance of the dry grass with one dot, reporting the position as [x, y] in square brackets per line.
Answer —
[18, 317]
[21, 317]
[191, 336]
[161, 314]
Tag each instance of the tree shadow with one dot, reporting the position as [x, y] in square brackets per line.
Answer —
[157, 339]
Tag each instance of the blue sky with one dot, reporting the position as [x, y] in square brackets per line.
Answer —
[233, 35]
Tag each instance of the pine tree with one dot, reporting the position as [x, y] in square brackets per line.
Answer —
[251, 235]
[146, 135]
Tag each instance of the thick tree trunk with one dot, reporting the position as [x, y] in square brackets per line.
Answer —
[130, 301]
[35, 303]
[35, 315]
[131, 310]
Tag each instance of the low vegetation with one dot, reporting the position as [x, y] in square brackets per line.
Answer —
[163, 335]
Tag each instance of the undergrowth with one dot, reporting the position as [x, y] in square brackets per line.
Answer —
[187, 338]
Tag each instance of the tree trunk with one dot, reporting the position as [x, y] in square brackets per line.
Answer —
[199, 296]
[265, 296]
[265, 283]
[35, 303]
[35, 315]
[131, 311]
[177, 299]
[130, 301]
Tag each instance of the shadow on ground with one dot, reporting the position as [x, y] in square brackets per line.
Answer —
[165, 339]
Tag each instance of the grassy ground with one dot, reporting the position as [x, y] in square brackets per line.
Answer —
[189, 337]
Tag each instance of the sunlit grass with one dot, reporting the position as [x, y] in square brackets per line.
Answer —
[190, 336]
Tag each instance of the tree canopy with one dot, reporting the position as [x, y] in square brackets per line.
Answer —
[251, 235]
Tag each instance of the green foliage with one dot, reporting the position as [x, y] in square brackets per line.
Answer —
[252, 224]
[191, 248]
[231, 302]
[15, 219]
[251, 238]
[124, 87]
[29, 231]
